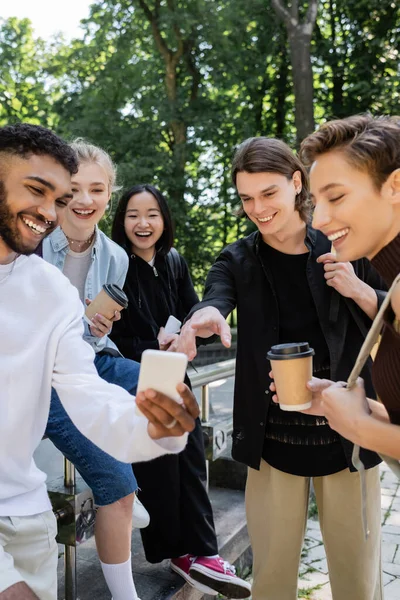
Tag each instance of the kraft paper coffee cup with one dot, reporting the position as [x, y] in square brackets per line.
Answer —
[292, 368]
[107, 301]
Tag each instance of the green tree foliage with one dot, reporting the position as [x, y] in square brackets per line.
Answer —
[300, 30]
[144, 84]
[23, 94]
[171, 87]
[357, 46]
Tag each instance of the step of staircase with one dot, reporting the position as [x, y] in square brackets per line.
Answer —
[158, 582]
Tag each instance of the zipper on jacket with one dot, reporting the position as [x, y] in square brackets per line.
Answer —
[155, 271]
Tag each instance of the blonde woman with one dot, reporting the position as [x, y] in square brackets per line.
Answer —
[90, 259]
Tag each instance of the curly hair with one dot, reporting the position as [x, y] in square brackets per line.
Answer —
[270, 155]
[24, 139]
[370, 144]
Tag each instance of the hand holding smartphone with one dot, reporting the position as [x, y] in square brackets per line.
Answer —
[162, 371]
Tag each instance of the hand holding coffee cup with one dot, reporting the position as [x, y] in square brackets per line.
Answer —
[100, 326]
[104, 309]
[292, 369]
[316, 386]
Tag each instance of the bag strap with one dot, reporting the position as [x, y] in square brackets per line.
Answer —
[362, 358]
[175, 264]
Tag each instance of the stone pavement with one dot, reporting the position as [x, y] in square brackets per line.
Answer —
[314, 579]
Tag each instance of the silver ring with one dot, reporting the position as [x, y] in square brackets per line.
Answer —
[172, 424]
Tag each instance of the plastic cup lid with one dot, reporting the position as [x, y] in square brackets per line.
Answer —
[115, 292]
[289, 351]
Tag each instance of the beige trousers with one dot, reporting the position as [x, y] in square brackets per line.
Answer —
[277, 506]
[29, 553]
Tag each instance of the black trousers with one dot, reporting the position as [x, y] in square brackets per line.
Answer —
[172, 488]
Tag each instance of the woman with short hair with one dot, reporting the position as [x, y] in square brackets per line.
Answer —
[355, 186]
[90, 259]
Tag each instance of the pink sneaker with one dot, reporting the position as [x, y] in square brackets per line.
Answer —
[182, 567]
[220, 576]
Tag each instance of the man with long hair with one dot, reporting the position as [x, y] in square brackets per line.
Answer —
[288, 287]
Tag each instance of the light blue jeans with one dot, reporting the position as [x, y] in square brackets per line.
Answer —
[109, 479]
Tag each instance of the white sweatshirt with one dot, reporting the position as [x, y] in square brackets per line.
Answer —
[41, 346]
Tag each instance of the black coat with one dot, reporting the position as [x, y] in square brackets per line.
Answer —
[154, 294]
[240, 279]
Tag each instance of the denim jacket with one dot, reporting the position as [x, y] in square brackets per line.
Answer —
[109, 264]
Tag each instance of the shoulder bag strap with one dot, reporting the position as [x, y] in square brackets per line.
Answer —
[175, 263]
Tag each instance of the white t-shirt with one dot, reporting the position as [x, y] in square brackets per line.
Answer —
[41, 346]
[76, 268]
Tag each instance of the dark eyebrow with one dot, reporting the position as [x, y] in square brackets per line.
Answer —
[50, 186]
[327, 187]
[47, 184]
[268, 189]
[93, 183]
[136, 209]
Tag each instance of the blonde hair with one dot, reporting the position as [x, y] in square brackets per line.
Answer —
[89, 153]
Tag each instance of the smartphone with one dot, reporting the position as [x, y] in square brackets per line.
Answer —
[162, 371]
[173, 325]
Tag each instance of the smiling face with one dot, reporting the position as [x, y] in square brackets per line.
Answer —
[91, 193]
[356, 217]
[268, 199]
[30, 191]
[143, 224]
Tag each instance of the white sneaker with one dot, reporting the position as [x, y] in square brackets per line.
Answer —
[140, 516]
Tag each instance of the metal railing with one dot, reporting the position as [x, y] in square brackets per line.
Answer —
[215, 431]
[67, 496]
[70, 582]
[206, 375]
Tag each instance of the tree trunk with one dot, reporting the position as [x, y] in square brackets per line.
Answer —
[337, 68]
[300, 35]
[300, 58]
[281, 87]
[178, 131]
[177, 125]
[177, 185]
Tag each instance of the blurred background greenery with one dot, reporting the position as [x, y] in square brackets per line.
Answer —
[170, 87]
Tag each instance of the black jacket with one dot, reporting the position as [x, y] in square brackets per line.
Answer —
[240, 279]
[154, 294]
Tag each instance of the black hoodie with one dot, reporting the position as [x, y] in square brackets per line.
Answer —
[154, 293]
